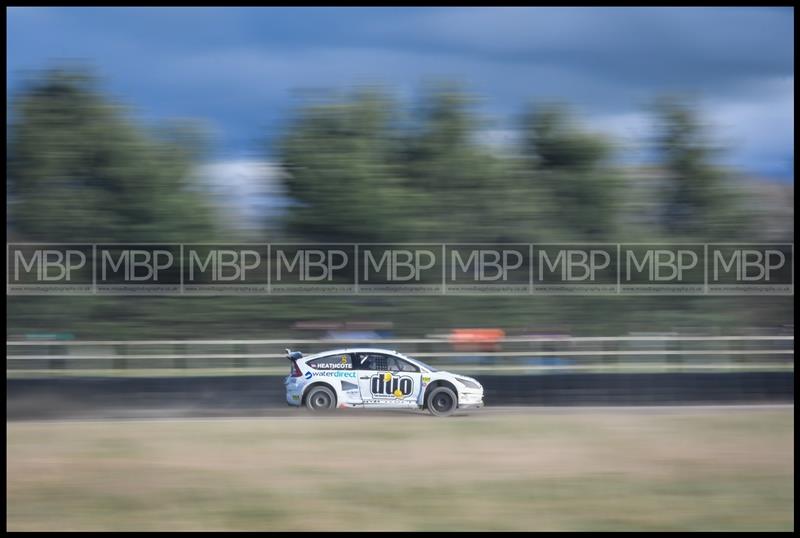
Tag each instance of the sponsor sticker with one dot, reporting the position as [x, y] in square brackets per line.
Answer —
[334, 373]
[334, 366]
[387, 386]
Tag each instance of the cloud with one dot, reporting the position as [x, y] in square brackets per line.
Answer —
[249, 191]
[759, 134]
[634, 45]
[238, 68]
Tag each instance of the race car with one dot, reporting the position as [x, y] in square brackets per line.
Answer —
[376, 379]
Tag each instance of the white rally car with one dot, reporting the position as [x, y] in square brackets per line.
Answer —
[376, 378]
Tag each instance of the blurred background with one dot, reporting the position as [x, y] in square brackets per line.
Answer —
[399, 125]
[390, 125]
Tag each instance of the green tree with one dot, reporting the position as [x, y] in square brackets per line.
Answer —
[359, 169]
[342, 172]
[467, 189]
[80, 170]
[570, 171]
[698, 200]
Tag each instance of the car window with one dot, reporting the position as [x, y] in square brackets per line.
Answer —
[400, 365]
[426, 365]
[372, 361]
[383, 363]
[341, 361]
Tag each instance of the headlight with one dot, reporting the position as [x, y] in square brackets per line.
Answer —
[467, 383]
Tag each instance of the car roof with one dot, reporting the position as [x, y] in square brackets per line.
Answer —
[366, 350]
[353, 350]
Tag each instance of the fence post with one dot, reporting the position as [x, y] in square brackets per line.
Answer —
[180, 349]
[120, 362]
[55, 364]
[239, 349]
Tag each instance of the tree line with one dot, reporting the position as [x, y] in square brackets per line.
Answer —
[365, 167]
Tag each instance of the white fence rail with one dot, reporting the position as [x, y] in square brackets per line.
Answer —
[632, 352]
[363, 341]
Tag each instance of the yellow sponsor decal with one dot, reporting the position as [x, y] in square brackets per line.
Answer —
[387, 376]
[398, 393]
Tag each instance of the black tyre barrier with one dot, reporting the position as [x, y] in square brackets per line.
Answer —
[235, 395]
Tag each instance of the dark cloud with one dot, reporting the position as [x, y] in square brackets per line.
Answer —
[237, 67]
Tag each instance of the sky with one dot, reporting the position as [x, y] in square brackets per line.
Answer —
[239, 69]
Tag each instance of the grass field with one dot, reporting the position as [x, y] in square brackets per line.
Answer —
[577, 469]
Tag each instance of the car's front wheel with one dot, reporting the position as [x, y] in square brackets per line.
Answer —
[442, 401]
[321, 399]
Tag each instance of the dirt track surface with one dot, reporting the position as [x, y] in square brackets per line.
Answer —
[294, 413]
[678, 468]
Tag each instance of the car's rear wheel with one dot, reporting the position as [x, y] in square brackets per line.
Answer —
[321, 399]
[442, 401]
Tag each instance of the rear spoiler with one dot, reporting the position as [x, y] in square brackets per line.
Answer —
[293, 355]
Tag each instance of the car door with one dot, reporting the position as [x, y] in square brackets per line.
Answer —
[340, 372]
[387, 381]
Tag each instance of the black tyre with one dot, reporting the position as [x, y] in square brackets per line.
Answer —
[321, 399]
[442, 401]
